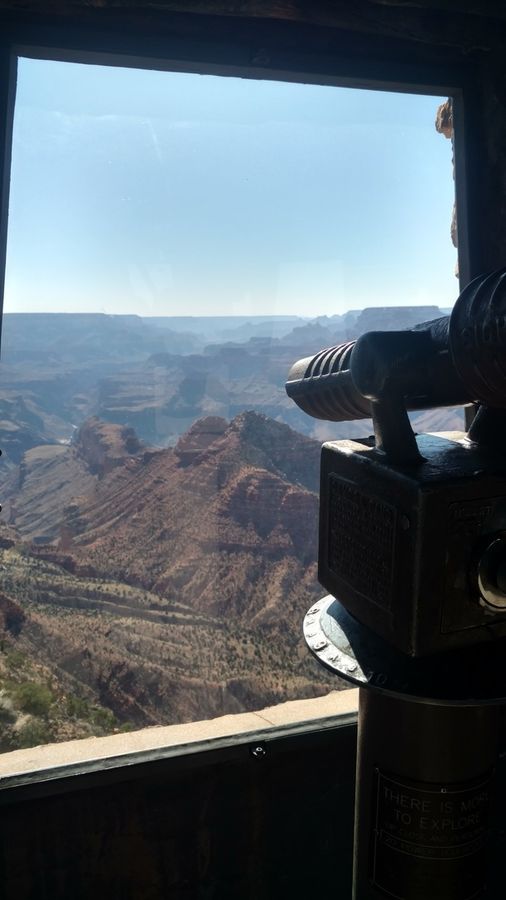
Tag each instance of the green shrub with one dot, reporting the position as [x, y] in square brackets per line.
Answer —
[125, 727]
[15, 659]
[34, 698]
[33, 733]
[103, 718]
[78, 707]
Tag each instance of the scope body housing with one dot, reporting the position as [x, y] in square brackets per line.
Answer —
[400, 545]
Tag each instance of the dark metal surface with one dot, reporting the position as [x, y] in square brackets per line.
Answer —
[403, 546]
[425, 782]
[477, 337]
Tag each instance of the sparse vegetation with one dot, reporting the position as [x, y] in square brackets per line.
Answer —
[128, 658]
[77, 707]
[145, 617]
[15, 659]
[32, 733]
[33, 698]
[103, 719]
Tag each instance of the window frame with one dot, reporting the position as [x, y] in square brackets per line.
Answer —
[257, 51]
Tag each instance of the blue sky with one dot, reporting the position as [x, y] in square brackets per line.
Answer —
[162, 193]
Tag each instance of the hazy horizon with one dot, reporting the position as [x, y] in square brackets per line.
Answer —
[250, 317]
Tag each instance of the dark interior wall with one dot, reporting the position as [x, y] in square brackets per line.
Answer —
[224, 824]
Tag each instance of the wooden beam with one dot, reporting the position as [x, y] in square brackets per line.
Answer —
[491, 9]
[338, 13]
[472, 26]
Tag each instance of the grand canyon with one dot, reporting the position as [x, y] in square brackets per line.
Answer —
[158, 538]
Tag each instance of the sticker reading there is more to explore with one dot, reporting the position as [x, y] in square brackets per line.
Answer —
[430, 839]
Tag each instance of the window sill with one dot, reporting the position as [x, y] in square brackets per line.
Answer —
[56, 761]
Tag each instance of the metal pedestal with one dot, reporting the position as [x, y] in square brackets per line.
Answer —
[427, 747]
[424, 782]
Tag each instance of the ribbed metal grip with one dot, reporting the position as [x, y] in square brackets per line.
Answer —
[478, 338]
[321, 385]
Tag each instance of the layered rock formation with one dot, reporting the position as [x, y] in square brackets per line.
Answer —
[226, 522]
[174, 585]
[103, 446]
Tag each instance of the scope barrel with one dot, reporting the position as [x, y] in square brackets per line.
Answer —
[449, 361]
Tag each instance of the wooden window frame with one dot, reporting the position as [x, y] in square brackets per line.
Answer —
[257, 51]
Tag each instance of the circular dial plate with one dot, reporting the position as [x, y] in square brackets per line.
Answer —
[468, 676]
[334, 650]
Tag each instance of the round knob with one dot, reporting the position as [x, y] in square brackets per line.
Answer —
[492, 575]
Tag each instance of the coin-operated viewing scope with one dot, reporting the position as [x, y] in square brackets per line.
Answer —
[412, 549]
[413, 528]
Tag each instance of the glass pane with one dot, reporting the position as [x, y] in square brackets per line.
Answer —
[175, 242]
